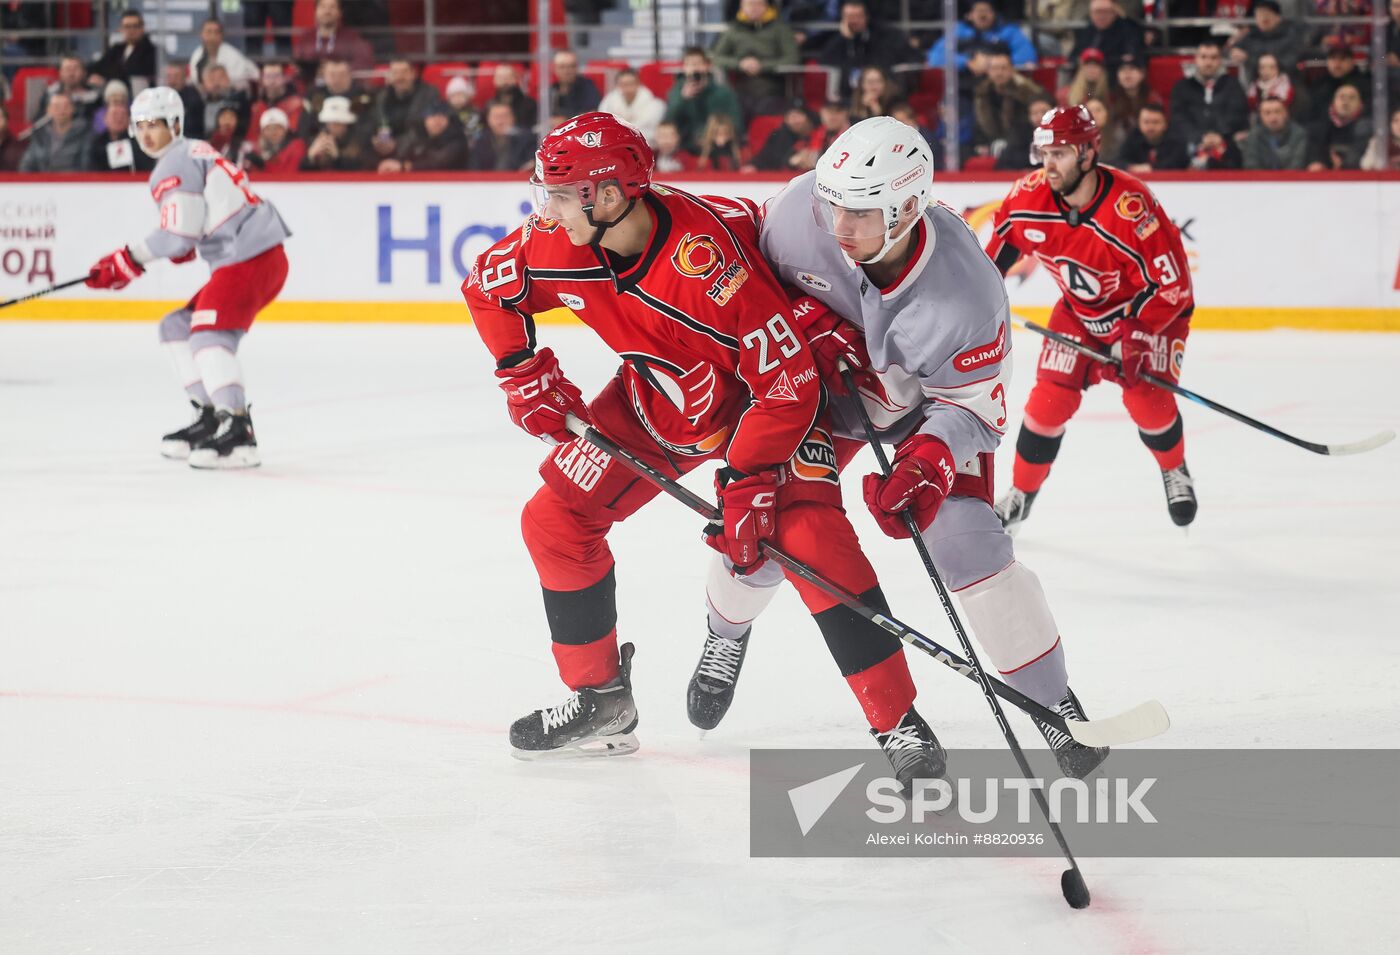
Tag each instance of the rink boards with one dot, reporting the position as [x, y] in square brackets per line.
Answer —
[1264, 252]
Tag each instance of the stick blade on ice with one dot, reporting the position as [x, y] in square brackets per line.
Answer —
[1143, 721]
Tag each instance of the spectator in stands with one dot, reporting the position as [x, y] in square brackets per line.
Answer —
[11, 147]
[502, 146]
[115, 92]
[257, 13]
[460, 92]
[859, 43]
[632, 102]
[59, 142]
[1130, 94]
[999, 103]
[751, 50]
[275, 93]
[571, 92]
[984, 28]
[719, 146]
[219, 95]
[399, 106]
[1349, 35]
[1111, 135]
[1341, 71]
[1109, 32]
[242, 72]
[134, 58]
[1153, 145]
[1017, 154]
[331, 38]
[780, 149]
[176, 76]
[72, 82]
[1276, 141]
[438, 143]
[671, 156]
[1339, 140]
[277, 151]
[508, 91]
[1269, 33]
[1269, 81]
[1209, 100]
[1216, 152]
[909, 116]
[696, 97]
[1392, 42]
[1382, 154]
[874, 94]
[1091, 79]
[338, 145]
[228, 135]
[336, 81]
[835, 120]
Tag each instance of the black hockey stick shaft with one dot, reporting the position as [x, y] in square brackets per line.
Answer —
[44, 291]
[1316, 448]
[906, 633]
[1076, 893]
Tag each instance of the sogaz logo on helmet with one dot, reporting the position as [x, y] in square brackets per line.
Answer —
[829, 192]
[908, 177]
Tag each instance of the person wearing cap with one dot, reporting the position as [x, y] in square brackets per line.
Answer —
[1210, 99]
[983, 28]
[276, 151]
[436, 143]
[1090, 79]
[751, 51]
[460, 93]
[1109, 32]
[1341, 71]
[133, 58]
[274, 92]
[338, 147]
[1269, 33]
[113, 93]
[336, 80]
[630, 101]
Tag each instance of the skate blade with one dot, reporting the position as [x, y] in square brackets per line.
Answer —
[175, 450]
[237, 458]
[619, 744]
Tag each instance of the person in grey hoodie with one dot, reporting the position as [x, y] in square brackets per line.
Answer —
[1275, 142]
[61, 143]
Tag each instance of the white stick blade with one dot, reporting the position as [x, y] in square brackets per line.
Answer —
[1141, 722]
[1357, 447]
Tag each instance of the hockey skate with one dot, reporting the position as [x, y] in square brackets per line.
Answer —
[590, 722]
[177, 444]
[1181, 495]
[913, 751]
[711, 688]
[1014, 508]
[234, 445]
[1076, 760]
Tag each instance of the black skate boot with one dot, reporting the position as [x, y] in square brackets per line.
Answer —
[711, 688]
[1014, 508]
[1076, 760]
[1181, 495]
[177, 444]
[590, 722]
[913, 751]
[234, 445]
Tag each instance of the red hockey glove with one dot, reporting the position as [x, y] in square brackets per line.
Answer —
[187, 257]
[538, 397]
[922, 475]
[115, 271]
[1133, 350]
[750, 514]
[831, 339]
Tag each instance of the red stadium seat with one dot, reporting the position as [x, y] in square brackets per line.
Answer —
[659, 76]
[440, 74]
[1163, 73]
[979, 164]
[26, 91]
[760, 129]
[814, 85]
[1046, 77]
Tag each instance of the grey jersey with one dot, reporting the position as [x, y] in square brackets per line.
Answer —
[939, 339]
[206, 202]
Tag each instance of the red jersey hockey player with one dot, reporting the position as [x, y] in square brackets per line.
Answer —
[711, 370]
[1126, 287]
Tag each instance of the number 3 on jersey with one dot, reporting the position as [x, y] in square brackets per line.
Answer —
[783, 337]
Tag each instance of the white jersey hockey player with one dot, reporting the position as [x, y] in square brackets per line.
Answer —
[207, 208]
[899, 287]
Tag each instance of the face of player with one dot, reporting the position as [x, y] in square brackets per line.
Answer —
[153, 135]
[1063, 167]
[562, 203]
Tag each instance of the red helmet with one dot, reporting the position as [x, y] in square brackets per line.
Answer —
[591, 149]
[1066, 126]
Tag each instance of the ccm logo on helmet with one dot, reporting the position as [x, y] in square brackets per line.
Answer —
[908, 177]
[595, 172]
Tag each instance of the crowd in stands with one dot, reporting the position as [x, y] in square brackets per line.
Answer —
[1274, 94]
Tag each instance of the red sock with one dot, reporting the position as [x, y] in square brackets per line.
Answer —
[588, 664]
[885, 691]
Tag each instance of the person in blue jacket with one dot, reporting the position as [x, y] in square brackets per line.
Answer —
[983, 28]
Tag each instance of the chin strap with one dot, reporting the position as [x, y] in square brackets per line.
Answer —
[600, 227]
[891, 241]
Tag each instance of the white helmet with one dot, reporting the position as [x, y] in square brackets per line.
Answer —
[878, 164]
[159, 102]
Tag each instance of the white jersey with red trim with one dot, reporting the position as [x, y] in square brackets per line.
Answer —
[206, 202]
[939, 338]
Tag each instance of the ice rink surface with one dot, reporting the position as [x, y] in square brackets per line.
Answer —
[266, 711]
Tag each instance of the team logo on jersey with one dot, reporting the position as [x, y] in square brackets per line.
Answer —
[697, 256]
[539, 223]
[815, 459]
[1034, 235]
[1131, 206]
[1089, 286]
[980, 355]
[572, 301]
[691, 391]
[814, 281]
[782, 389]
[1146, 227]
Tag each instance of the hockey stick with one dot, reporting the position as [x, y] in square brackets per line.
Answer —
[43, 291]
[1142, 722]
[1072, 885]
[1355, 447]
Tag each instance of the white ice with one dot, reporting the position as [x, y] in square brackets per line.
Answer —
[266, 711]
